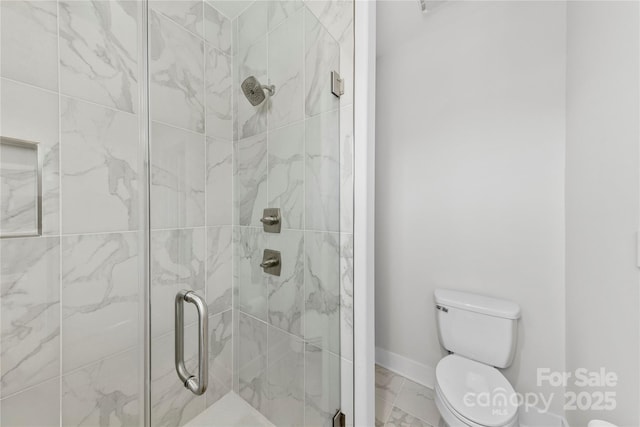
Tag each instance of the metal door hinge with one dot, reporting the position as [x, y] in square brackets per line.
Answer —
[339, 420]
[337, 84]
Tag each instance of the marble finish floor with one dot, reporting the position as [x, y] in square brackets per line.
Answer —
[230, 411]
[401, 402]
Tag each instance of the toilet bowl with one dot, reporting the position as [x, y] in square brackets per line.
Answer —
[480, 333]
[470, 393]
[600, 423]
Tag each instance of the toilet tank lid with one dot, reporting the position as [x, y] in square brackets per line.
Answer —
[477, 303]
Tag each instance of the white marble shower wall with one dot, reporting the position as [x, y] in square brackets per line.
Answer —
[70, 344]
[70, 299]
[191, 197]
[294, 333]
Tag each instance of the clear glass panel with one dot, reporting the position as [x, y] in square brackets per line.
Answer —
[222, 152]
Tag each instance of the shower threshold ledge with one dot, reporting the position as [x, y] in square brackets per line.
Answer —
[230, 411]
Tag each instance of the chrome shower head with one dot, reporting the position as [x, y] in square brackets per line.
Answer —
[254, 91]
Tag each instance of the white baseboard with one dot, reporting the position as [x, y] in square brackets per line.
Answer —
[415, 371]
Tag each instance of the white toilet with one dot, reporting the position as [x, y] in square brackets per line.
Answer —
[480, 333]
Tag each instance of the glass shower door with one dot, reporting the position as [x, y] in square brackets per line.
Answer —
[242, 118]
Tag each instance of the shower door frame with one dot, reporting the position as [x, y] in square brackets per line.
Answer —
[364, 13]
[364, 89]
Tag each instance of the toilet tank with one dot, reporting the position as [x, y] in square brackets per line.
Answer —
[477, 327]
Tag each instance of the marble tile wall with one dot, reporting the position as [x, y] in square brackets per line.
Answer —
[70, 326]
[294, 151]
[69, 335]
[191, 196]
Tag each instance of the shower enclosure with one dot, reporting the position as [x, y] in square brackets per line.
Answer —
[136, 256]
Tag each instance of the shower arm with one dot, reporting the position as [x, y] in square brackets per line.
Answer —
[270, 88]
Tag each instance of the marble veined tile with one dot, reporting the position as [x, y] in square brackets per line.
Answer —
[322, 172]
[249, 279]
[252, 23]
[100, 296]
[252, 60]
[98, 52]
[21, 107]
[322, 290]
[285, 379]
[220, 356]
[177, 263]
[219, 87]
[188, 13]
[383, 410]
[250, 180]
[286, 292]
[29, 34]
[252, 340]
[217, 29]
[251, 360]
[99, 168]
[286, 174]
[177, 90]
[231, 8]
[279, 10]
[322, 386]
[105, 393]
[346, 296]
[30, 315]
[388, 384]
[399, 418]
[322, 55]
[18, 410]
[335, 15]
[173, 405]
[286, 65]
[219, 268]
[219, 182]
[418, 400]
[177, 177]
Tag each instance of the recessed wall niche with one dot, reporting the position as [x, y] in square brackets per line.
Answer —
[20, 188]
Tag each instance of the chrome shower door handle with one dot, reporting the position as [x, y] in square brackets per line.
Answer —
[196, 385]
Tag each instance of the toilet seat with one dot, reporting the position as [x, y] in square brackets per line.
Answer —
[475, 393]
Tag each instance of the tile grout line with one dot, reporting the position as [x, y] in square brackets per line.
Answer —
[58, 93]
[29, 388]
[179, 25]
[395, 399]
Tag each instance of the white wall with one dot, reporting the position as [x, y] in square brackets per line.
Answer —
[470, 173]
[602, 198]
